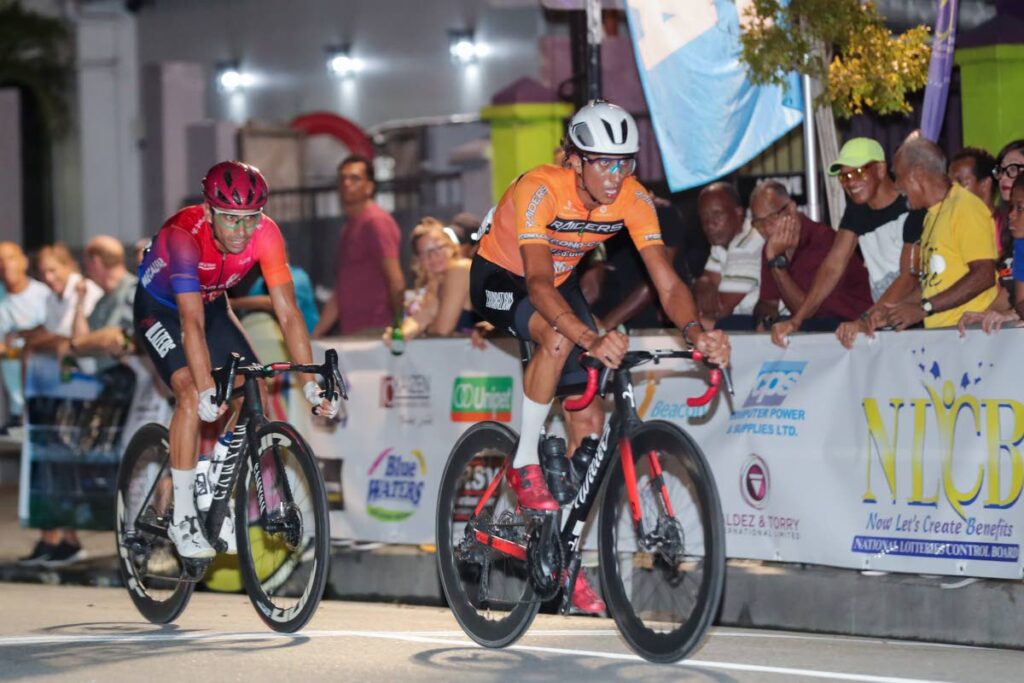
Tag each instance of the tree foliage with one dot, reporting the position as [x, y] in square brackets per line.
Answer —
[35, 55]
[842, 43]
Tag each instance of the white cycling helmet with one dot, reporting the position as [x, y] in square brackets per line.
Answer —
[604, 128]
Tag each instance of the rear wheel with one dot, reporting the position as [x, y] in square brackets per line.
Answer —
[284, 554]
[663, 586]
[489, 592]
[149, 564]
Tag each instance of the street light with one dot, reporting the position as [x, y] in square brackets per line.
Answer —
[464, 48]
[341, 63]
[230, 77]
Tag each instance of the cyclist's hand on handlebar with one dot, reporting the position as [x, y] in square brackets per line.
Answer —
[715, 346]
[321, 405]
[609, 348]
[208, 410]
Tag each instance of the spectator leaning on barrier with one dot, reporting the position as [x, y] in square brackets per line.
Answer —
[369, 286]
[441, 303]
[957, 261]
[972, 168]
[795, 247]
[70, 295]
[878, 221]
[729, 288]
[993, 319]
[23, 309]
[108, 329]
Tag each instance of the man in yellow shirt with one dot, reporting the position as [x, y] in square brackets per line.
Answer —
[956, 261]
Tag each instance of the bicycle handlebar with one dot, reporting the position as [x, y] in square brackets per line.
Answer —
[224, 376]
[598, 374]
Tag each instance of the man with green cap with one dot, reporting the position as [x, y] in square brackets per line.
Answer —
[878, 220]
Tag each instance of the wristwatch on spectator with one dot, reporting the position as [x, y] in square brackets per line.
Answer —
[928, 306]
[779, 261]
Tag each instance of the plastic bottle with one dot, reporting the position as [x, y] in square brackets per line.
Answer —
[68, 365]
[556, 469]
[211, 472]
[204, 491]
[397, 338]
[582, 458]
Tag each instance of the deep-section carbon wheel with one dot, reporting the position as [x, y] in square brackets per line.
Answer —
[489, 592]
[663, 586]
[284, 554]
[149, 564]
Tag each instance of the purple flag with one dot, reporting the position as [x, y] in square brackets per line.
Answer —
[937, 90]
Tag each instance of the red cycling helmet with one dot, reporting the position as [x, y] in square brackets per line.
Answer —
[236, 187]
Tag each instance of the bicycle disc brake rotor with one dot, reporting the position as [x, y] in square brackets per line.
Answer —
[667, 543]
[545, 558]
[291, 522]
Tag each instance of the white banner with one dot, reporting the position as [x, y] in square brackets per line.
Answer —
[900, 455]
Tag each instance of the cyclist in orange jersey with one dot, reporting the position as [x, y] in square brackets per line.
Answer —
[524, 280]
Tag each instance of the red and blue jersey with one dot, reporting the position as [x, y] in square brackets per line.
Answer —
[183, 257]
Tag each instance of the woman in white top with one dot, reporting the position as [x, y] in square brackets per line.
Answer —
[441, 305]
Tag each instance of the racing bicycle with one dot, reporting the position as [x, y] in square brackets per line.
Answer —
[270, 475]
[661, 538]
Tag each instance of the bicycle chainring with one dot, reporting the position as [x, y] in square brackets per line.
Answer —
[545, 558]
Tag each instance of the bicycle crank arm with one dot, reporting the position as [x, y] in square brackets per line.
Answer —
[502, 545]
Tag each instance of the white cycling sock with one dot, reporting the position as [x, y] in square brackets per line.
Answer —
[534, 415]
[184, 482]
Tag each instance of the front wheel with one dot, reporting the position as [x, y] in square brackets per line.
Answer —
[284, 552]
[663, 579]
[489, 593]
[149, 564]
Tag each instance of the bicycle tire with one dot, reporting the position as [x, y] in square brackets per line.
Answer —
[491, 620]
[284, 571]
[644, 585]
[144, 479]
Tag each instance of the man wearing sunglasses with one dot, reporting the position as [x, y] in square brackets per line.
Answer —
[184, 322]
[523, 280]
[877, 220]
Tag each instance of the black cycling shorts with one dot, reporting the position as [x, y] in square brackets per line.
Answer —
[501, 298]
[158, 330]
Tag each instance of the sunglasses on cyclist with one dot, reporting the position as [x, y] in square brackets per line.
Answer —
[612, 165]
[1010, 170]
[234, 221]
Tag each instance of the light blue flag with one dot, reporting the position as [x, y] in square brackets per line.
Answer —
[708, 118]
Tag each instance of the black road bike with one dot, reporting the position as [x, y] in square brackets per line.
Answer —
[275, 483]
[661, 538]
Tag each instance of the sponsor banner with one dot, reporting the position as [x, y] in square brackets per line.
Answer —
[77, 424]
[384, 455]
[903, 454]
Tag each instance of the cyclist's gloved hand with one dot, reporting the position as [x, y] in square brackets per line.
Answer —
[321, 406]
[208, 410]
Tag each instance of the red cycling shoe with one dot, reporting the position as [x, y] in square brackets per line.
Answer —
[531, 489]
[584, 598]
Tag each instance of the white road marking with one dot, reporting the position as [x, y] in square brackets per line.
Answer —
[449, 638]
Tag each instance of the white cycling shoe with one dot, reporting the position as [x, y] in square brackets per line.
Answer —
[188, 538]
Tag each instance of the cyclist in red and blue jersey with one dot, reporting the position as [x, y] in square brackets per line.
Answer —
[183, 319]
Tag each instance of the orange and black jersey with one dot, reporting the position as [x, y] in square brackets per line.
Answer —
[543, 207]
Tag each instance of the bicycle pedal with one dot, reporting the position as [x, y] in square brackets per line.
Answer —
[193, 570]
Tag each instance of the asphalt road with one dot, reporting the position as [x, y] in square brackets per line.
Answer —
[54, 633]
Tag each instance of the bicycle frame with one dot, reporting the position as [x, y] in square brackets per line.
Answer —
[250, 419]
[618, 430]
